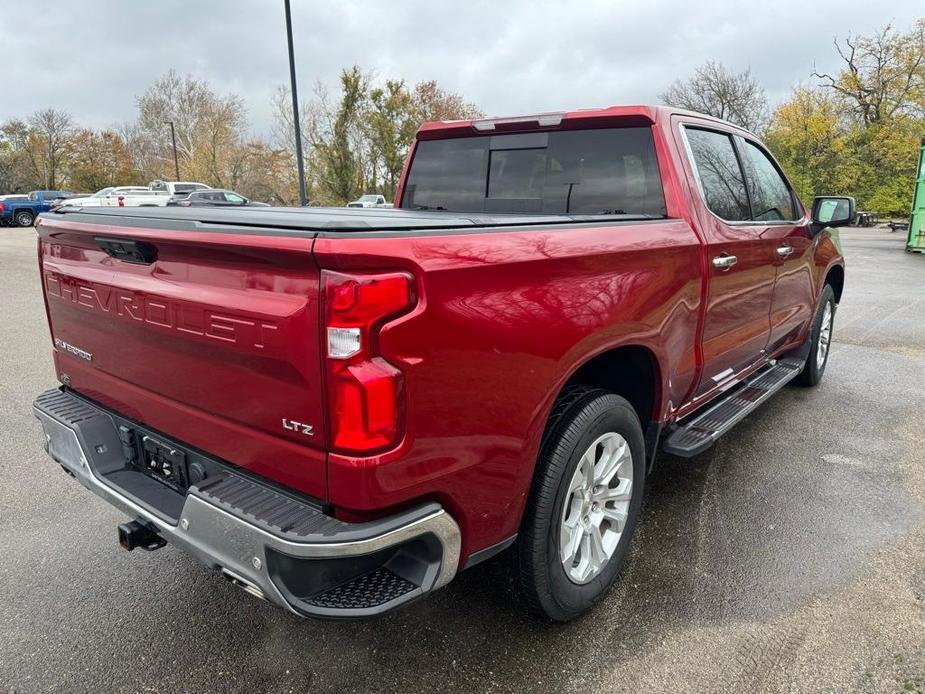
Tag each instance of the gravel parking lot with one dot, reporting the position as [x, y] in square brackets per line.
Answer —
[790, 557]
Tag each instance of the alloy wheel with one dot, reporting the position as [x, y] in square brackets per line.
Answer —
[825, 335]
[596, 508]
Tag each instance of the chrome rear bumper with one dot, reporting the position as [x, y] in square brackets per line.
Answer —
[272, 544]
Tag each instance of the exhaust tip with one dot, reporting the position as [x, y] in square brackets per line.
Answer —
[243, 584]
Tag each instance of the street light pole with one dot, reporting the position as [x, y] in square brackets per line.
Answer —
[295, 108]
[173, 138]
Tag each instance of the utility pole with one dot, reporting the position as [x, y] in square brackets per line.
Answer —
[173, 138]
[295, 108]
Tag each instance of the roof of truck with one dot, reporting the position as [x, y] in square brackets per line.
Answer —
[636, 114]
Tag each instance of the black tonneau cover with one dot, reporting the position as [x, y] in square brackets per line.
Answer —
[321, 219]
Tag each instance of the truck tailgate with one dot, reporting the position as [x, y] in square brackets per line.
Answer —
[211, 337]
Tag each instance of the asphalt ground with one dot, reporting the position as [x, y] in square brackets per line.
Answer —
[790, 557]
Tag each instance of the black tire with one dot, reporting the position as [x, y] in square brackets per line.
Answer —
[812, 370]
[580, 417]
[24, 218]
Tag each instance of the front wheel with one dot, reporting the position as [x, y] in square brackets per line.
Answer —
[24, 219]
[820, 340]
[584, 504]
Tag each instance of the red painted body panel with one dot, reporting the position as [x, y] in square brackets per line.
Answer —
[504, 317]
[214, 343]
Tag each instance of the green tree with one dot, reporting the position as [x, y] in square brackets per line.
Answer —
[881, 89]
[336, 137]
[391, 123]
[812, 141]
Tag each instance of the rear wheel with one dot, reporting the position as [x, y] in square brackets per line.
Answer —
[24, 218]
[584, 504]
[820, 340]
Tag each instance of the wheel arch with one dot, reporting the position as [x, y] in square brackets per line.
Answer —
[836, 278]
[631, 371]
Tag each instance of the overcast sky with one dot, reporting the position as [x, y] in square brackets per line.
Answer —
[92, 58]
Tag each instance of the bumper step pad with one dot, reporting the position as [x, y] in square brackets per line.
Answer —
[363, 593]
[692, 437]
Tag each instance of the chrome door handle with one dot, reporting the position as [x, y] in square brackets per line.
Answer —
[724, 262]
[784, 251]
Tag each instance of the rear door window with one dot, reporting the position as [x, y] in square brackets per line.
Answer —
[611, 171]
[719, 174]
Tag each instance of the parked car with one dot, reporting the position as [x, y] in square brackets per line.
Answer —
[370, 201]
[339, 411]
[214, 198]
[174, 188]
[22, 213]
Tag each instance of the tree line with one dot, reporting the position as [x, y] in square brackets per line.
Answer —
[857, 131]
[354, 141]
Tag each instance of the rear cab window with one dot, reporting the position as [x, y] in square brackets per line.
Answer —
[608, 171]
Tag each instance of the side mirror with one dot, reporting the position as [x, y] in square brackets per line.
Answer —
[832, 211]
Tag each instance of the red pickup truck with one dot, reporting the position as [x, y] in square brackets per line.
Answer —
[341, 409]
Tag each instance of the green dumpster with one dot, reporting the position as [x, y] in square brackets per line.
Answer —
[916, 241]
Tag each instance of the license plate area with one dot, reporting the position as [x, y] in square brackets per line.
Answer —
[165, 463]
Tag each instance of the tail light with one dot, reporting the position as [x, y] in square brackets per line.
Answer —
[366, 393]
[184, 203]
[1, 208]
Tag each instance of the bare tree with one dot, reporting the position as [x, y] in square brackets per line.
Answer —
[883, 75]
[180, 100]
[51, 129]
[210, 130]
[717, 91]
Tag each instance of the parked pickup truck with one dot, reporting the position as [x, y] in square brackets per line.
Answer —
[339, 410]
[22, 213]
[370, 200]
[120, 196]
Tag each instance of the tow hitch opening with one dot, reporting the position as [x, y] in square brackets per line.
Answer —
[134, 534]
